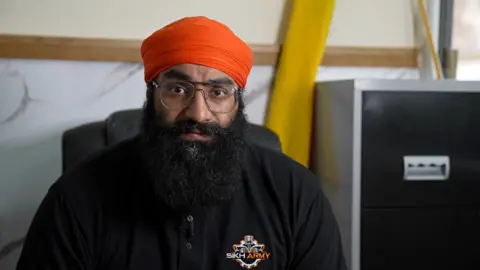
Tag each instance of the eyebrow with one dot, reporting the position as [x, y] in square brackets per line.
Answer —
[223, 80]
[176, 74]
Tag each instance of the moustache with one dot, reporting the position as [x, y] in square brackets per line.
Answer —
[192, 126]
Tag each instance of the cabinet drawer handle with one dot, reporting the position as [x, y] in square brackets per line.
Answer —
[426, 168]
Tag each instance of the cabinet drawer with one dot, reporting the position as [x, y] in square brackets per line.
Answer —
[419, 239]
[424, 124]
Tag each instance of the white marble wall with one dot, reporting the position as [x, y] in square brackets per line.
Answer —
[40, 99]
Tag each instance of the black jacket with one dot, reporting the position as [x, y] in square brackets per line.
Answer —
[96, 216]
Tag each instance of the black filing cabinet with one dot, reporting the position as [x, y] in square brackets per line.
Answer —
[420, 224]
[406, 187]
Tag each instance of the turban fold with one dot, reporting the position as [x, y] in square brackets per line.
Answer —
[197, 40]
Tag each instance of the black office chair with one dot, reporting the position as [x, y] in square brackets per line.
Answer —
[80, 142]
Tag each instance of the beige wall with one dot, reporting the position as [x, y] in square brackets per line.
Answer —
[372, 23]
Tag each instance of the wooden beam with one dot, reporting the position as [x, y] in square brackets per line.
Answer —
[90, 49]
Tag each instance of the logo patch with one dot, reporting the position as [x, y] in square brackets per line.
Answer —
[249, 252]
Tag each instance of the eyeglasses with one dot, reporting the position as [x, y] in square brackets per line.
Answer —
[178, 94]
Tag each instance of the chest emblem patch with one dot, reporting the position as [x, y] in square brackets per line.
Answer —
[249, 252]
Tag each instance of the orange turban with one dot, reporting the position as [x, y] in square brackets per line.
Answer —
[197, 40]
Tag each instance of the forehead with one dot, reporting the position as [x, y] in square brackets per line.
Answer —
[197, 73]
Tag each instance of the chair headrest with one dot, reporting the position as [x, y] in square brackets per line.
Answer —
[122, 125]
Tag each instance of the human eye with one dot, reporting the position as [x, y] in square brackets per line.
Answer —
[177, 89]
[219, 91]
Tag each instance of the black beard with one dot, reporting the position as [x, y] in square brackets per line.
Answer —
[185, 174]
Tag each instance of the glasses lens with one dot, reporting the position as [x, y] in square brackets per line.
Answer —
[176, 94]
[221, 98]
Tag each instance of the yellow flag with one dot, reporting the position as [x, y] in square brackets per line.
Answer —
[290, 110]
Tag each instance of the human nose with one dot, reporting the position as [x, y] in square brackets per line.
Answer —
[198, 109]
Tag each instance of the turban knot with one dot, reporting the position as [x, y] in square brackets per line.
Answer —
[197, 40]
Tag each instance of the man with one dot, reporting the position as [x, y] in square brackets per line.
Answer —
[189, 192]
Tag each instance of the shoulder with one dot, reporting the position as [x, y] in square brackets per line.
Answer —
[101, 177]
[288, 177]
